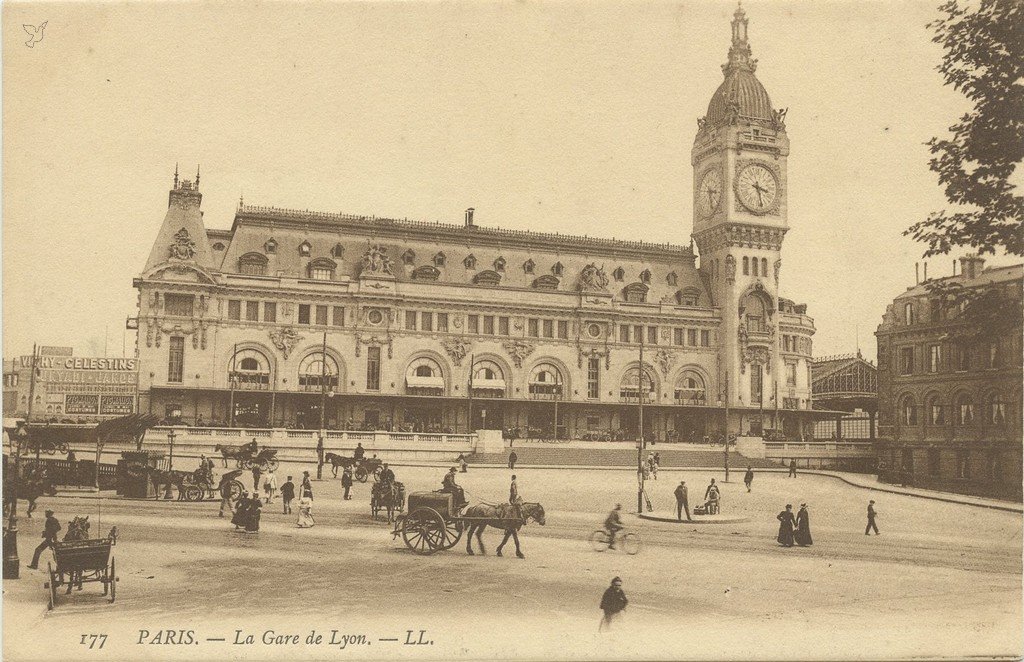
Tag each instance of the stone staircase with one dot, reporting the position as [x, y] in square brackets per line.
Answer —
[671, 458]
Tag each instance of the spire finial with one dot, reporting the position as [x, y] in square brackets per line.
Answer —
[739, 51]
[175, 175]
[241, 199]
[197, 177]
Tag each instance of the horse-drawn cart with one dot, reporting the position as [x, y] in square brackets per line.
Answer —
[432, 523]
[247, 457]
[388, 497]
[82, 561]
[364, 468]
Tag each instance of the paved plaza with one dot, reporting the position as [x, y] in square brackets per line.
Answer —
[940, 579]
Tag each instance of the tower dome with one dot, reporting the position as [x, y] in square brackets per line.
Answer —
[741, 95]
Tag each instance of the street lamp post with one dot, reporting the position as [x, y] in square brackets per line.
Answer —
[170, 461]
[640, 441]
[12, 564]
[725, 449]
[323, 411]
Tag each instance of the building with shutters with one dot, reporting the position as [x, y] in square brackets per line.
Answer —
[293, 317]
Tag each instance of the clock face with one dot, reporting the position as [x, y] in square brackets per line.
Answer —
[709, 192]
[757, 188]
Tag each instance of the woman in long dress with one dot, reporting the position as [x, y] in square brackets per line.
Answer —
[306, 510]
[803, 527]
[241, 515]
[786, 523]
[252, 522]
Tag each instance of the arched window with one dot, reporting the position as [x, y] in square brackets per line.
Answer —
[488, 379]
[764, 266]
[499, 265]
[250, 370]
[545, 282]
[690, 388]
[936, 411]
[253, 264]
[338, 251]
[755, 311]
[908, 313]
[672, 279]
[688, 297]
[439, 260]
[619, 274]
[753, 266]
[645, 276]
[557, 269]
[635, 293]
[528, 266]
[908, 411]
[305, 249]
[322, 269]
[487, 278]
[545, 382]
[408, 257]
[964, 409]
[630, 386]
[746, 266]
[317, 372]
[426, 272]
[997, 410]
[270, 246]
[470, 262]
[424, 377]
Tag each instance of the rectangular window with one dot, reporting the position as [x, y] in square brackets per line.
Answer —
[303, 313]
[178, 304]
[321, 315]
[705, 339]
[176, 360]
[532, 327]
[269, 311]
[427, 321]
[993, 355]
[338, 316]
[234, 310]
[549, 328]
[252, 311]
[489, 324]
[938, 415]
[474, 324]
[638, 334]
[963, 465]
[652, 335]
[933, 462]
[410, 320]
[373, 368]
[677, 337]
[691, 337]
[321, 273]
[503, 326]
[756, 378]
[906, 360]
[934, 357]
[963, 358]
[790, 374]
[593, 378]
[623, 333]
[563, 329]
[442, 322]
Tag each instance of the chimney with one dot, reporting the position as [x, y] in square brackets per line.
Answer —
[971, 266]
[954, 267]
[926, 272]
[917, 273]
[469, 218]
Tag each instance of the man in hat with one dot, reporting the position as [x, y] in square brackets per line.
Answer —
[748, 477]
[307, 485]
[612, 603]
[514, 499]
[871, 519]
[613, 524]
[387, 476]
[449, 485]
[359, 452]
[682, 506]
[287, 495]
[50, 529]
[346, 481]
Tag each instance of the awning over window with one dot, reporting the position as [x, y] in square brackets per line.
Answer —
[433, 381]
[491, 384]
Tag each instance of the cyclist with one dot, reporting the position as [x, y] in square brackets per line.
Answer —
[613, 524]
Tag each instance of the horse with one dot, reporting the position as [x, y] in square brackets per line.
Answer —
[34, 483]
[502, 516]
[236, 452]
[175, 478]
[78, 529]
[338, 461]
[390, 496]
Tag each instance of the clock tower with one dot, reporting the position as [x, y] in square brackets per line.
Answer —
[740, 189]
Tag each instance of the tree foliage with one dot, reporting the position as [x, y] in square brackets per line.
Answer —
[989, 311]
[984, 59]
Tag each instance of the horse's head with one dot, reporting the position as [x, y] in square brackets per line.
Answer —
[216, 448]
[534, 510]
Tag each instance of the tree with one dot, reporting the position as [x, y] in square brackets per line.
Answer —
[984, 59]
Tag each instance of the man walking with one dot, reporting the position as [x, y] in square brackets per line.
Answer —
[682, 505]
[346, 482]
[256, 480]
[287, 494]
[307, 486]
[748, 477]
[512, 457]
[871, 519]
[792, 469]
[50, 529]
[612, 603]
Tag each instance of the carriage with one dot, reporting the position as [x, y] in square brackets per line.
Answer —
[432, 523]
[197, 486]
[364, 468]
[391, 499]
[82, 561]
[246, 457]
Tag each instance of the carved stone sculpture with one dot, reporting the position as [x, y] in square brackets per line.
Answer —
[778, 267]
[183, 247]
[593, 279]
[456, 349]
[518, 350]
[376, 261]
[664, 359]
[285, 339]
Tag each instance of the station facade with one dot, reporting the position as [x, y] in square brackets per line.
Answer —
[293, 318]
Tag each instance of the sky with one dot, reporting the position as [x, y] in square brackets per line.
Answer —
[570, 117]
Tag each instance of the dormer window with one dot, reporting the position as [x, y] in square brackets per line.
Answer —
[645, 276]
[338, 251]
[557, 269]
[218, 246]
[270, 246]
[499, 265]
[470, 262]
[439, 260]
[635, 293]
[408, 257]
[619, 274]
[322, 269]
[305, 249]
[487, 278]
[252, 264]
[672, 279]
[688, 297]
[528, 266]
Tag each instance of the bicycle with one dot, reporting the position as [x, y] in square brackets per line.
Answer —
[629, 542]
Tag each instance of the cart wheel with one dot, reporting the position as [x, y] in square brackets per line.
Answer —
[62, 447]
[193, 493]
[273, 463]
[361, 475]
[631, 543]
[236, 488]
[599, 540]
[452, 533]
[113, 580]
[240, 463]
[49, 449]
[423, 531]
[52, 585]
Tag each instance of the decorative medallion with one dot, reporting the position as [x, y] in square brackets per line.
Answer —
[285, 339]
[518, 350]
